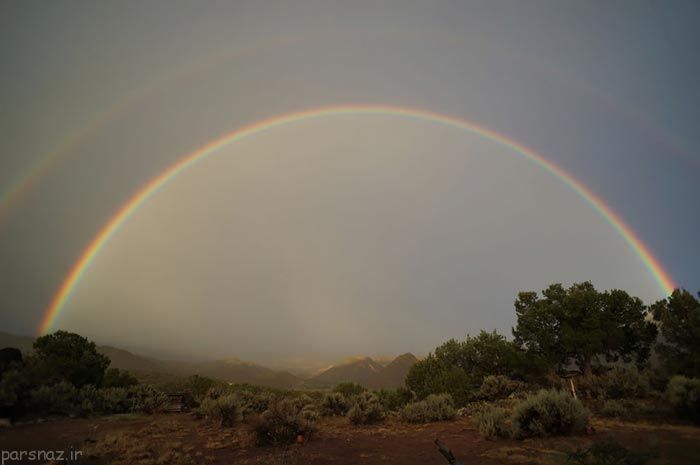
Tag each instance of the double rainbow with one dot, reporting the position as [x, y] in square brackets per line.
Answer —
[80, 267]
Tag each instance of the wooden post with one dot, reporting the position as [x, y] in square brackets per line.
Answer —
[447, 453]
[573, 388]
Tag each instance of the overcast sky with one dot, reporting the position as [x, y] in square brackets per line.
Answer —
[355, 234]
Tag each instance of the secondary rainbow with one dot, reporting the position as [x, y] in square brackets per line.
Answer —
[58, 302]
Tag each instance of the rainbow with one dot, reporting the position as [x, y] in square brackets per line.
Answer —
[83, 263]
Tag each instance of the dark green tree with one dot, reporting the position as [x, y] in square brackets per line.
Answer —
[580, 325]
[459, 368]
[114, 377]
[71, 357]
[679, 321]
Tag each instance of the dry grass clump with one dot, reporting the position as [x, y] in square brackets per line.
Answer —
[491, 423]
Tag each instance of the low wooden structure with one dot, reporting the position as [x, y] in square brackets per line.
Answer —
[177, 402]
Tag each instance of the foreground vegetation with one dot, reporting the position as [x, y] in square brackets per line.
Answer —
[577, 353]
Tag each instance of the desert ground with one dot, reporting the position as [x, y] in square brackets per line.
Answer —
[182, 438]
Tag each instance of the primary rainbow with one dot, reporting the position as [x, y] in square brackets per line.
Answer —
[59, 300]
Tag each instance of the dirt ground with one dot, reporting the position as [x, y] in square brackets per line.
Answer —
[184, 439]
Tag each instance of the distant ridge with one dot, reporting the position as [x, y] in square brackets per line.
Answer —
[361, 370]
[366, 372]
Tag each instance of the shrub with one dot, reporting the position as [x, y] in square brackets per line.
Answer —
[217, 390]
[684, 395]
[607, 453]
[112, 400]
[624, 381]
[394, 399]
[334, 403]
[58, 399]
[144, 398]
[491, 423]
[435, 407]
[349, 389]
[498, 387]
[614, 409]
[366, 409]
[114, 377]
[283, 421]
[224, 410]
[12, 385]
[548, 413]
[252, 403]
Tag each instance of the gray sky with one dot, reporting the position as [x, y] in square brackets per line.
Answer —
[341, 235]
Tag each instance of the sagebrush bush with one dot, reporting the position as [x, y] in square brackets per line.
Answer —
[283, 421]
[366, 409]
[112, 400]
[252, 402]
[549, 412]
[435, 407]
[334, 403]
[144, 398]
[498, 387]
[56, 399]
[225, 410]
[684, 395]
[614, 409]
[491, 423]
[218, 390]
[624, 381]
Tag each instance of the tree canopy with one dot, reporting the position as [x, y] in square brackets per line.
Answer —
[679, 321]
[580, 325]
[71, 357]
[459, 368]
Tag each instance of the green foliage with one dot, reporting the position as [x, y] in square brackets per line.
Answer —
[71, 357]
[684, 395]
[459, 368]
[614, 409]
[12, 384]
[58, 399]
[196, 385]
[334, 403]
[435, 407]
[225, 410]
[624, 382]
[366, 409]
[284, 420]
[394, 399]
[607, 453]
[112, 400]
[549, 413]
[254, 402]
[679, 319]
[348, 389]
[579, 325]
[498, 387]
[114, 377]
[144, 398]
[491, 423]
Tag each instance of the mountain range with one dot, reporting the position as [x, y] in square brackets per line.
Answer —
[360, 370]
